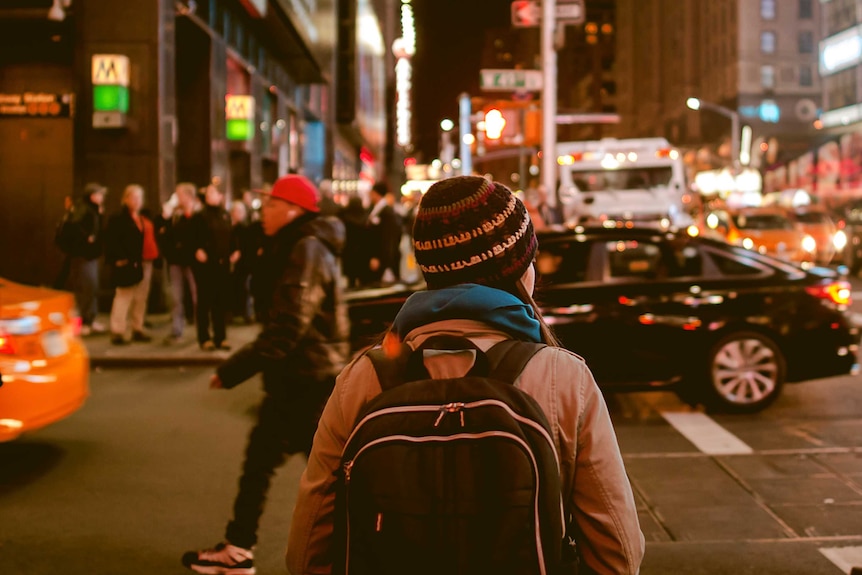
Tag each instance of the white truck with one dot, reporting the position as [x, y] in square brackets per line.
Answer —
[638, 180]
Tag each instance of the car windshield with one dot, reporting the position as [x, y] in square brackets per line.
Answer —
[762, 222]
[622, 179]
[812, 218]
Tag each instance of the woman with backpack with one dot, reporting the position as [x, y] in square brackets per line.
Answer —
[475, 245]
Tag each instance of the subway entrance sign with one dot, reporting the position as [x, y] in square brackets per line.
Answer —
[110, 76]
[492, 80]
[239, 113]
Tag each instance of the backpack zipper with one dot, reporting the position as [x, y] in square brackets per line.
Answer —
[463, 406]
[348, 466]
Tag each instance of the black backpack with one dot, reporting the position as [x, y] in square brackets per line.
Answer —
[67, 235]
[455, 476]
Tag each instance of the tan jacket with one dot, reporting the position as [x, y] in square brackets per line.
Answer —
[595, 485]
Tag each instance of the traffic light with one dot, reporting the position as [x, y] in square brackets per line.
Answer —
[513, 123]
[495, 123]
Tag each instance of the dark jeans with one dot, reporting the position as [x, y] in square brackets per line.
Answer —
[241, 304]
[84, 275]
[213, 287]
[285, 425]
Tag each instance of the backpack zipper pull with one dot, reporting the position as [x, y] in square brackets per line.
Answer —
[455, 407]
[347, 467]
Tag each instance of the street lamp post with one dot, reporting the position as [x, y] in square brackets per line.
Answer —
[447, 149]
[697, 104]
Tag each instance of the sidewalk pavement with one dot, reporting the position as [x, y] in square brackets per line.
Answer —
[159, 354]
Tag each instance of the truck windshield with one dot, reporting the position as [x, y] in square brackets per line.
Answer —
[622, 179]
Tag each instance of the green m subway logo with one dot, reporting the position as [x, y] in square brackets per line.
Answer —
[110, 83]
[239, 114]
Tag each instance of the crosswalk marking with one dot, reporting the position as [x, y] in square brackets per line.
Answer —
[706, 434]
[845, 558]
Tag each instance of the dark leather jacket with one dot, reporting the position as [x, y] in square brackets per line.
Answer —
[305, 328]
[124, 242]
[86, 222]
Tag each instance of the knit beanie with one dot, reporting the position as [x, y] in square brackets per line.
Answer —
[471, 230]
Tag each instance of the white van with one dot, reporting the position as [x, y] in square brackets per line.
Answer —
[640, 180]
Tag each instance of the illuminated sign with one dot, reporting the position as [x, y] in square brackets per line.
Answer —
[256, 8]
[769, 111]
[239, 113]
[110, 76]
[841, 51]
[36, 105]
[842, 116]
[404, 48]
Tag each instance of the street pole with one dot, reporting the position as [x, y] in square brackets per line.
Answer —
[464, 128]
[549, 102]
[734, 139]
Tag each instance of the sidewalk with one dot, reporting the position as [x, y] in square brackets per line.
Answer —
[158, 354]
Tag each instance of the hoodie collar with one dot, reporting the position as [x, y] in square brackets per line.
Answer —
[494, 307]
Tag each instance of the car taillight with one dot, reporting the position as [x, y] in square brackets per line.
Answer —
[6, 345]
[836, 292]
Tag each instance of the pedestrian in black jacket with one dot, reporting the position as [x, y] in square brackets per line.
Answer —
[85, 249]
[215, 250]
[124, 254]
[301, 348]
[177, 237]
[384, 226]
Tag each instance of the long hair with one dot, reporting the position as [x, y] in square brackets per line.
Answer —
[548, 335]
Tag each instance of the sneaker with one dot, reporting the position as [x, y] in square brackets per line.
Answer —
[141, 337]
[208, 346]
[223, 559]
[86, 330]
[224, 346]
[98, 327]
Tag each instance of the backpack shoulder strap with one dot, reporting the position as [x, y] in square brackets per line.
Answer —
[509, 357]
[390, 370]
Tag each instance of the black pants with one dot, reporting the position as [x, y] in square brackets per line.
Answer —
[213, 286]
[284, 426]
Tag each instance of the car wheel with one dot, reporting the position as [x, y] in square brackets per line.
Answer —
[745, 373]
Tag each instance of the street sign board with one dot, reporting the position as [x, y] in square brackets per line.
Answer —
[492, 80]
[588, 118]
[570, 12]
[528, 13]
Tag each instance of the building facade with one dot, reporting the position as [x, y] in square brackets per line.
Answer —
[755, 57]
[231, 92]
[839, 160]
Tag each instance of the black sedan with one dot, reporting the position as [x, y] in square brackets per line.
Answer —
[648, 309]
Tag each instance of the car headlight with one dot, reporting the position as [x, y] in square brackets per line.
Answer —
[747, 243]
[809, 244]
[839, 240]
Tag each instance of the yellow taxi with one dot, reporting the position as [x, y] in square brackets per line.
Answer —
[764, 230]
[44, 365]
[817, 223]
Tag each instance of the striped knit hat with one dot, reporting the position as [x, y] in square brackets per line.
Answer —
[471, 230]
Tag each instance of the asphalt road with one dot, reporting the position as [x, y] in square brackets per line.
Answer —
[148, 469]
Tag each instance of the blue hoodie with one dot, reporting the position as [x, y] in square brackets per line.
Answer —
[495, 307]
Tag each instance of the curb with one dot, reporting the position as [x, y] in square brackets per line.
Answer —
[155, 361]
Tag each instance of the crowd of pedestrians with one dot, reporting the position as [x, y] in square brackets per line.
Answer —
[209, 255]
